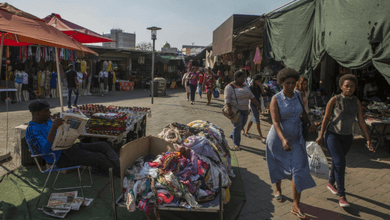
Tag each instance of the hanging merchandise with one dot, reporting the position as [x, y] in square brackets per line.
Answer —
[74, 55]
[38, 54]
[109, 68]
[258, 58]
[71, 58]
[29, 54]
[61, 53]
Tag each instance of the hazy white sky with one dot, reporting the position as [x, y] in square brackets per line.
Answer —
[183, 22]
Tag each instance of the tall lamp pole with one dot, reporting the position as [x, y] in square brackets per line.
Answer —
[154, 37]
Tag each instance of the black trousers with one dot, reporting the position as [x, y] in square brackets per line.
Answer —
[99, 155]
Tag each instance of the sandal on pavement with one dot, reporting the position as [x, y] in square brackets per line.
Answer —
[263, 141]
[278, 197]
[246, 135]
[299, 214]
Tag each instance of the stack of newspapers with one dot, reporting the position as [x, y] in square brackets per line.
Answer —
[60, 204]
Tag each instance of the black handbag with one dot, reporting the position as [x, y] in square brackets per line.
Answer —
[306, 123]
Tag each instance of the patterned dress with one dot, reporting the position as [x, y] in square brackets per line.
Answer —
[209, 83]
[281, 163]
[47, 80]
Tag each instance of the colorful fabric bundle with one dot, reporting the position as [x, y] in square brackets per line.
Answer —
[183, 178]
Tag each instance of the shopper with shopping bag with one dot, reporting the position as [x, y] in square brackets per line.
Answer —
[340, 115]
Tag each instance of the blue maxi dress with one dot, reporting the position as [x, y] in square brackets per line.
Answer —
[286, 164]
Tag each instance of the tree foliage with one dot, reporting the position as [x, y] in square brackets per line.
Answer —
[144, 46]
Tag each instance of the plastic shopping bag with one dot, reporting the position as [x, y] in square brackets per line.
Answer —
[318, 163]
[216, 93]
[262, 104]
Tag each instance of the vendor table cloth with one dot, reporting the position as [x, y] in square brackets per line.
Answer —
[135, 126]
[126, 86]
[374, 129]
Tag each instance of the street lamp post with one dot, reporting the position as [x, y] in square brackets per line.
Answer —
[154, 37]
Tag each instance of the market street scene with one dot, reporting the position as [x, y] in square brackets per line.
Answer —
[233, 113]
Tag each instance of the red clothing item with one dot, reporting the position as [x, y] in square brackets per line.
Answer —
[201, 77]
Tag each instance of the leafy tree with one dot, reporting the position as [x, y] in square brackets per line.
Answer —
[145, 46]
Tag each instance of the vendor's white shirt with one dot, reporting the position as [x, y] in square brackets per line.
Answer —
[101, 75]
[369, 88]
[105, 74]
[80, 76]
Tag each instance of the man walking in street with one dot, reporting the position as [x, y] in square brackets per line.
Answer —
[71, 78]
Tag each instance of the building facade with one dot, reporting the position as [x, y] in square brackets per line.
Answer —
[168, 49]
[190, 50]
[121, 39]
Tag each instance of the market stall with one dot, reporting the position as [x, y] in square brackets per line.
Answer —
[186, 168]
[113, 123]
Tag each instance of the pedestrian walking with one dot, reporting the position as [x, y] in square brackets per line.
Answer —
[340, 115]
[285, 146]
[303, 87]
[256, 88]
[200, 82]
[193, 83]
[71, 78]
[185, 82]
[209, 84]
[237, 94]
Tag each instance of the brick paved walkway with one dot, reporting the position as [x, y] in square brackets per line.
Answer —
[367, 180]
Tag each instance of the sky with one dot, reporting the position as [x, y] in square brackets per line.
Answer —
[183, 22]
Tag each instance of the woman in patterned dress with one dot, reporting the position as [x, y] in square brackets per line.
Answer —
[209, 83]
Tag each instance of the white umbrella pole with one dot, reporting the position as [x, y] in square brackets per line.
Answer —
[59, 80]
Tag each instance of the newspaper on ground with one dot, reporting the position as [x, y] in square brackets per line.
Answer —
[54, 212]
[62, 201]
[59, 204]
[68, 133]
[78, 202]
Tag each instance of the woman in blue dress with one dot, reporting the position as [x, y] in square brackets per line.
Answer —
[286, 147]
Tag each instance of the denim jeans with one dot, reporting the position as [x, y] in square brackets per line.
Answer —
[193, 91]
[99, 155]
[236, 134]
[200, 90]
[76, 92]
[338, 146]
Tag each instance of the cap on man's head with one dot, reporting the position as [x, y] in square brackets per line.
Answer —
[70, 65]
[38, 105]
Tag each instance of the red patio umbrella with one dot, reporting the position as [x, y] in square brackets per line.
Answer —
[19, 28]
[80, 34]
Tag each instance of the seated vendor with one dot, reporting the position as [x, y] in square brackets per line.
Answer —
[41, 132]
[371, 92]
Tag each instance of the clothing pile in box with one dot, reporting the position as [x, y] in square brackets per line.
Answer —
[185, 178]
[107, 123]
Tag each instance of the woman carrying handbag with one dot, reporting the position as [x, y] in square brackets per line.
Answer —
[237, 95]
[285, 146]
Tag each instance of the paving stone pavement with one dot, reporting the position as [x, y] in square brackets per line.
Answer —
[367, 179]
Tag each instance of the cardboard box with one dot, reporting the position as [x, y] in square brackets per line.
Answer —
[131, 151]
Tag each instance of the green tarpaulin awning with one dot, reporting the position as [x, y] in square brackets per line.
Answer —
[355, 34]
